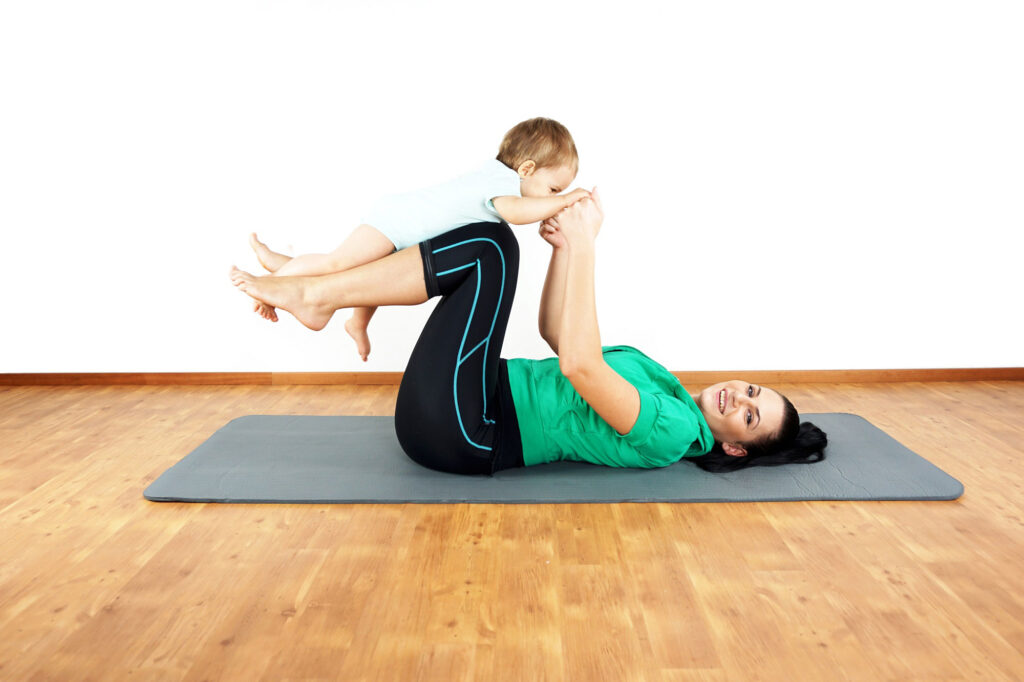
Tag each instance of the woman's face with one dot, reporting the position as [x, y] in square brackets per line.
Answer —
[739, 412]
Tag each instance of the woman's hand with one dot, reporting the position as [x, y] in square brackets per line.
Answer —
[549, 228]
[580, 222]
[549, 232]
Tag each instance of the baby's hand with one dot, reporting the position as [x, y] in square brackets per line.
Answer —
[576, 195]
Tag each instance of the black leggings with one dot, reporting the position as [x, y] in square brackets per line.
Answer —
[454, 411]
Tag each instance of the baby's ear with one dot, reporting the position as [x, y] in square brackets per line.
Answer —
[526, 168]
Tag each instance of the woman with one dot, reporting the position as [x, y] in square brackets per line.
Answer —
[462, 409]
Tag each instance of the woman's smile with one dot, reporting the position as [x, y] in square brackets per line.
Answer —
[723, 400]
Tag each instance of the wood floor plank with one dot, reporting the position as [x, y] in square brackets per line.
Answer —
[97, 583]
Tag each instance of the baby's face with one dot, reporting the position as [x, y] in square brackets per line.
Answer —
[546, 182]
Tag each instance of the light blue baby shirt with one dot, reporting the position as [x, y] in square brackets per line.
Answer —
[416, 216]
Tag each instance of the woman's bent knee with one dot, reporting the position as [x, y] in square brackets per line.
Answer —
[428, 450]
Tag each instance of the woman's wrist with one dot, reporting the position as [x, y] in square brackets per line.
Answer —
[583, 243]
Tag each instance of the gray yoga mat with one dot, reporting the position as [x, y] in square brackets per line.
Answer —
[357, 459]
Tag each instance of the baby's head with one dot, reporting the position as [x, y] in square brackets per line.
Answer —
[542, 152]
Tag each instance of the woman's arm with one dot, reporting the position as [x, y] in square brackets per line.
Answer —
[550, 317]
[579, 356]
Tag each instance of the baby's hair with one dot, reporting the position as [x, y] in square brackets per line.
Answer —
[545, 141]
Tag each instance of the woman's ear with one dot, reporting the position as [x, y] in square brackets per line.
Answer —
[526, 168]
[734, 450]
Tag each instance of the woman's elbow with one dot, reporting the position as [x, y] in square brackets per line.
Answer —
[571, 366]
[579, 367]
[566, 365]
[550, 339]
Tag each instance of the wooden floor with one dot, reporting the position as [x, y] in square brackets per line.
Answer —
[97, 583]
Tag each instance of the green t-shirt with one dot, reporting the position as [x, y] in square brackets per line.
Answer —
[555, 423]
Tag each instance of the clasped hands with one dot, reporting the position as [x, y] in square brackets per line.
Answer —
[578, 223]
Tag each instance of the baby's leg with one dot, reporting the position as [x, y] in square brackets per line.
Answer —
[395, 280]
[270, 260]
[364, 245]
[356, 328]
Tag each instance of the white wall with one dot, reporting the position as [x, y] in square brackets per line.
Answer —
[788, 185]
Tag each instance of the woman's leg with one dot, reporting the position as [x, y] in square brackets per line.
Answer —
[447, 415]
[394, 280]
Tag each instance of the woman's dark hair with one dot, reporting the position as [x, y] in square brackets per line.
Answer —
[794, 443]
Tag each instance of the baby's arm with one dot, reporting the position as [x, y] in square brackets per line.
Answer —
[526, 210]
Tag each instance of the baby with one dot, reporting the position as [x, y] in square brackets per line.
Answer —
[536, 161]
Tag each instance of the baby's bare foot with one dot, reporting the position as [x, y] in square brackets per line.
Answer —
[265, 311]
[270, 260]
[287, 293]
[357, 331]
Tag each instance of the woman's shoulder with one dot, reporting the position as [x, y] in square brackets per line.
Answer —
[660, 376]
[630, 351]
[622, 349]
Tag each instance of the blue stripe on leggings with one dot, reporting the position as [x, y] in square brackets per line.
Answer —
[466, 356]
[463, 267]
[486, 342]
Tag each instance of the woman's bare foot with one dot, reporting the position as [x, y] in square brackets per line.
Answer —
[270, 260]
[357, 331]
[287, 293]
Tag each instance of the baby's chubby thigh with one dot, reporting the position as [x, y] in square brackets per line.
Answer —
[364, 245]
